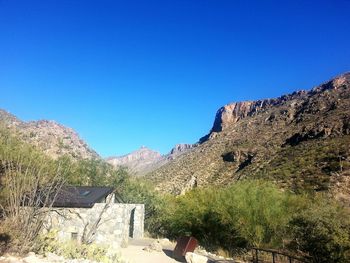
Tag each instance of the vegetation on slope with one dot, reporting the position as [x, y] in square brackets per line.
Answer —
[316, 165]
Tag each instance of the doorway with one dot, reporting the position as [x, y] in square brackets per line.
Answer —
[131, 223]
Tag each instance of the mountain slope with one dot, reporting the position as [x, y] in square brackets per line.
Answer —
[51, 137]
[300, 140]
[145, 160]
[138, 162]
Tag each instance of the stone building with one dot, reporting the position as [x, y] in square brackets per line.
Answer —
[95, 215]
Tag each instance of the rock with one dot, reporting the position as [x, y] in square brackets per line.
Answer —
[195, 258]
[180, 148]
[201, 251]
[192, 183]
[154, 246]
[165, 242]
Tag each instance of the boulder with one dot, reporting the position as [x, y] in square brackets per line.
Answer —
[195, 258]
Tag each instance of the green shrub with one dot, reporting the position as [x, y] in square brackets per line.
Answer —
[248, 213]
[24, 173]
[257, 213]
[322, 231]
[137, 190]
[74, 250]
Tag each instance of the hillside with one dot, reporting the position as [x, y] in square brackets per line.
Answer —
[51, 137]
[300, 140]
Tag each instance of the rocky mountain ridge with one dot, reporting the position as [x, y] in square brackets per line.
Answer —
[138, 162]
[233, 112]
[272, 139]
[145, 160]
[51, 137]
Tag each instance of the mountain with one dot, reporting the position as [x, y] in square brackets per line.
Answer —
[138, 162]
[300, 140]
[51, 137]
[145, 160]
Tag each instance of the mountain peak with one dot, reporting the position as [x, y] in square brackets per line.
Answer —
[138, 160]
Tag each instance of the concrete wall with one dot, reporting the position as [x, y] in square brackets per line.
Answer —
[112, 219]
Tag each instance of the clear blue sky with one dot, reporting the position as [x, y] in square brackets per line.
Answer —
[130, 73]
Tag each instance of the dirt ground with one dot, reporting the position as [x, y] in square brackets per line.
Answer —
[135, 253]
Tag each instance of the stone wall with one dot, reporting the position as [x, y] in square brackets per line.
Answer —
[114, 223]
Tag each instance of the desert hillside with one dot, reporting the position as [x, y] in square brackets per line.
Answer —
[52, 138]
[300, 140]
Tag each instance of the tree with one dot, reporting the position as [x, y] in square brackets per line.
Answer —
[29, 184]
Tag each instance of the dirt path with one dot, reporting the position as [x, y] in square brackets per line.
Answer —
[135, 253]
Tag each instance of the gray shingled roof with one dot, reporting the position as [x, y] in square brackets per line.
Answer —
[81, 196]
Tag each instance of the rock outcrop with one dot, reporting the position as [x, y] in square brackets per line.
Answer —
[181, 148]
[231, 113]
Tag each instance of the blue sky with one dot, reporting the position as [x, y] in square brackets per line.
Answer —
[130, 73]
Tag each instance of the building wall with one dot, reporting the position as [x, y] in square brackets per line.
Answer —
[112, 221]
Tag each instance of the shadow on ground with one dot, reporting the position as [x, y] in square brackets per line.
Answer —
[169, 253]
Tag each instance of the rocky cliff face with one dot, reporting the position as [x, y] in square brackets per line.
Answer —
[231, 113]
[178, 150]
[51, 137]
[300, 140]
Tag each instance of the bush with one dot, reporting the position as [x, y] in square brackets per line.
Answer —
[248, 213]
[27, 177]
[257, 213]
[137, 190]
[73, 250]
[94, 172]
[197, 214]
[322, 231]
[259, 210]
